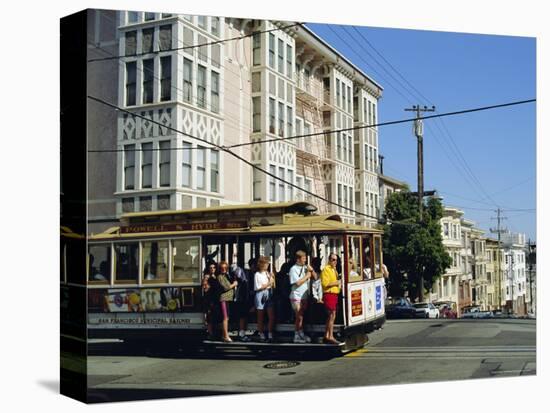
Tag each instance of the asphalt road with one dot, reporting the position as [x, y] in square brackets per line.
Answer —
[404, 351]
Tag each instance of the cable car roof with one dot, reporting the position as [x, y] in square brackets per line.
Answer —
[285, 224]
[286, 207]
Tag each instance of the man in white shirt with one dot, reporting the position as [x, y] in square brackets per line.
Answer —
[300, 275]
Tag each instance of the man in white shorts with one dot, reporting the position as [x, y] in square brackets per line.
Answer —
[299, 276]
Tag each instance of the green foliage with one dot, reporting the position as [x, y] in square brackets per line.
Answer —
[412, 248]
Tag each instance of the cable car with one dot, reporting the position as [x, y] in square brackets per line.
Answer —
[144, 276]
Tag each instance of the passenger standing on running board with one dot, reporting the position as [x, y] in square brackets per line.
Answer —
[331, 288]
[210, 288]
[227, 294]
[263, 300]
[300, 275]
[243, 302]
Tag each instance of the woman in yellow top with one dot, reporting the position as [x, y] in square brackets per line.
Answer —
[331, 289]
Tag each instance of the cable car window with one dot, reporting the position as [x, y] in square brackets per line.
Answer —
[354, 259]
[99, 263]
[126, 256]
[75, 260]
[367, 258]
[378, 256]
[155, 261]
[186, 263]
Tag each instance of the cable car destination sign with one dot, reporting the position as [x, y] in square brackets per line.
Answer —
[171, 227]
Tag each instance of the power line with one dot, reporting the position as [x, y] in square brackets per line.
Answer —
[395, 122]
[473, 208]
[201, 57]
[456, 150]
[464, 198]
[236, 123]
[194, 98]
[492, 209]
[198, 45]
[391, 66]
[367, 63]
[466, 165]
[513, 186]
[226, 149]
[485, 203]
[325, 132]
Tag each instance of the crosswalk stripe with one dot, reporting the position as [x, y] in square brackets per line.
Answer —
[357, 353]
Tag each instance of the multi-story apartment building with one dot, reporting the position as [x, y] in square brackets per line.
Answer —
[102, 82]
[280, 82]
[447, 286]
[465, 281]
[494, 271]
[515, 279]
[167, 83]
[388, 186]
[479, 269]
[466, 256]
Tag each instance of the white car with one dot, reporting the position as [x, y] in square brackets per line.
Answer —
[426, 310]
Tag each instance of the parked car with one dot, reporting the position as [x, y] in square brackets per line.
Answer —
[399, 307]
[475, 312]
[500, 314]
[426, 310]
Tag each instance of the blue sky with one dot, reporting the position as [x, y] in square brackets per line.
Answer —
[494, 151]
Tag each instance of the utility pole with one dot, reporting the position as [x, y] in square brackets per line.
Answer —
[498, 230]
[418, 132]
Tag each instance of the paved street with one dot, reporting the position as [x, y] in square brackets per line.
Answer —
[405, 351]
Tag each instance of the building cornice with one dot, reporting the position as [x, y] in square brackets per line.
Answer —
[333, 56]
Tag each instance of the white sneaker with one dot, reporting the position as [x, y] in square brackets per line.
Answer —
[298, 339]
[307, 339]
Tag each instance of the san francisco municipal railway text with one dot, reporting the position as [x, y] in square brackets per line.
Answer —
[144, 321]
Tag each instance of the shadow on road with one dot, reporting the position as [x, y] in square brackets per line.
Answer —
[120, 395]
[173, 350]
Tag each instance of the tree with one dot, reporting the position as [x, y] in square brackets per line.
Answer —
[413, 248]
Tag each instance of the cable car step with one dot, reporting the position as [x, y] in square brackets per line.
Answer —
[277, 344]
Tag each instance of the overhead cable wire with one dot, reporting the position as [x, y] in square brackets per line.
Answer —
[200, 59]
[469, 177]
[227, 150]
[395, 122]
[221, 41]
[456, 149]
[325, 132]
[194, 98]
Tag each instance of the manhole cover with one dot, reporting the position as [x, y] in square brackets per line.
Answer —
[281, 365]
[437, 325]
[287, 373]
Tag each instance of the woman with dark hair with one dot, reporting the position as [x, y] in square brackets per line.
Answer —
[210, 291]
[227, 294]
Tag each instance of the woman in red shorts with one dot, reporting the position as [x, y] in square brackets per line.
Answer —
[331, 289]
